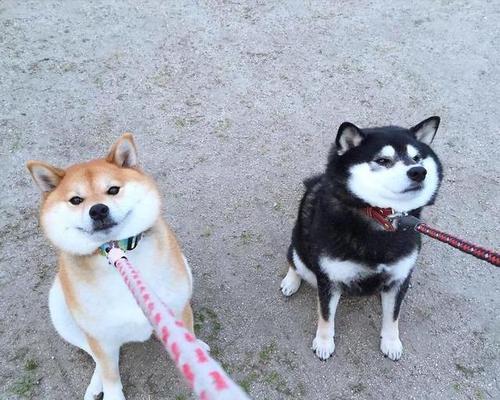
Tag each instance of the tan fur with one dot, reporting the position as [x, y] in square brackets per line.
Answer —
[64, 275]
[322, 330]
[173, 249]
[83, 270]
[187, 317]
[111, 157]
[86, 174]
[109, 371]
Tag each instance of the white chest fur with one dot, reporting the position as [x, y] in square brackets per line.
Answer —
[107, 304]
[348, 271]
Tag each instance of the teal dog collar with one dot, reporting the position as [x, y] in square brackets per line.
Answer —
[123, 244]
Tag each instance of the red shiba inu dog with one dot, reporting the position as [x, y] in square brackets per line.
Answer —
[83, 207]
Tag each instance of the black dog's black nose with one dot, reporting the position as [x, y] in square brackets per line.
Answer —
[417, 174]
[98, 212]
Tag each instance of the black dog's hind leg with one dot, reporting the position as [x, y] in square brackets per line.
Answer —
[289, 255]
[291, 282]
[392, 297]
[328, 299]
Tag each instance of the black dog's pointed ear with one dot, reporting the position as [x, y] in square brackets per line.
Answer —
[426, 130]
[348, 136]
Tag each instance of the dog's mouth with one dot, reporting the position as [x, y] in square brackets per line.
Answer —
[99, 227]
[103, 226]
[413, 188]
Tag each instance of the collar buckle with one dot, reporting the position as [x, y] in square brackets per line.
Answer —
[384, 216]
[127, 244]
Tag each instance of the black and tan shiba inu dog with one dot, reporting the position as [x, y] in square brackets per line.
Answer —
[343, 241]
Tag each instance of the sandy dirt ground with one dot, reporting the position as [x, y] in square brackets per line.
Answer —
[232, 105]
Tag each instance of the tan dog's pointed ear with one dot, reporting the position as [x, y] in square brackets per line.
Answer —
[46, 176]
[123, 153]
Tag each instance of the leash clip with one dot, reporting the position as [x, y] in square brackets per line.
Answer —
[105, 248]
[404, 220]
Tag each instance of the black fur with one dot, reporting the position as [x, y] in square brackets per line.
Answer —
[331, 223]
[400, 296]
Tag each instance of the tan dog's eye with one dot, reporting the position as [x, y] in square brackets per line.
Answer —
[75, 200]
[113, 190]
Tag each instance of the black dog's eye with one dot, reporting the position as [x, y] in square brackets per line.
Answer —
[75, 200]
[417, 158]
[383, 161]
[113, 190]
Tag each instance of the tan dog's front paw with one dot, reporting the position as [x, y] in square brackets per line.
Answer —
[203, 345]
[94, 390]
[90, 395]
[115, 395]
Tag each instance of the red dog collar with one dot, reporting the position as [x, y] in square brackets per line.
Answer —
[381, 216]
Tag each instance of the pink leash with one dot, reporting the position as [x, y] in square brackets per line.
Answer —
[203, 374]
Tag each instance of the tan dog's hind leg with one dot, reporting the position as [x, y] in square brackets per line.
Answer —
[106, 357]
[187, 318]
[68, 329]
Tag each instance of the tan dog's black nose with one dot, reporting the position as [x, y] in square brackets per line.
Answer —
[417, 174]
[99, 212]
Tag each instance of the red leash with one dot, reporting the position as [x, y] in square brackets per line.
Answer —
[386, 217]
[409, 221]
